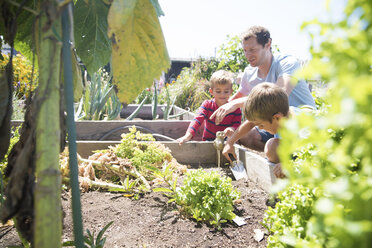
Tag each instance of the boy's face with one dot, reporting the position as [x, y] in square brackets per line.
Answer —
[267, 126]
[221, 93]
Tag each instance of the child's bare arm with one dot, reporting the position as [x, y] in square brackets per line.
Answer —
[184, 138]
[229, 131]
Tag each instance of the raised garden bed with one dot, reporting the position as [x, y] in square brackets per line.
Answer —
[150, 221]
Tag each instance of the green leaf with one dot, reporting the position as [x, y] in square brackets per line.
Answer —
[162, 190]
[100, 234]
[139, 54]
[90, 27]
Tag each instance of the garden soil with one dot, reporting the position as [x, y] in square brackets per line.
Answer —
[151, 222]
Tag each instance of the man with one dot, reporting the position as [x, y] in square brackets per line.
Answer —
[264, 67]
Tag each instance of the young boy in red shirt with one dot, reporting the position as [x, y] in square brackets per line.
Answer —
[221, 89]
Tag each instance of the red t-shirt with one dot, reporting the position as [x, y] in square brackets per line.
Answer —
[210, 128]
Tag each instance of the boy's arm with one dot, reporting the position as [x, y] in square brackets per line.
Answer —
[194, 124]
[184, 138]
[240, 132]
[227, 108]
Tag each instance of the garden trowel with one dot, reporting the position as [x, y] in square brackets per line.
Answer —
[237, 168]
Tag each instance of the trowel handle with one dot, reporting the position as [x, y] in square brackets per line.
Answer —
[231, 157]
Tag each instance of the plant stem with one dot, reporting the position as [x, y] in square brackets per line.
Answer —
[48, 215]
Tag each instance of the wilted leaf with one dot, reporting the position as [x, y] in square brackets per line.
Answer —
[90, 28]
[139, 53]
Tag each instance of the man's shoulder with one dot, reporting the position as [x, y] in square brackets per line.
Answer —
[280, 57]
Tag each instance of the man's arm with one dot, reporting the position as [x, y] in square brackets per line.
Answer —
[227, 108]
[285, 83]
[240, 132]
[237, 95]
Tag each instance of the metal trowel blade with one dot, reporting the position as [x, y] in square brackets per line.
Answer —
[238, 169]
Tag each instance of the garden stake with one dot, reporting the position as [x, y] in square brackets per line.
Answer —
[218, 144]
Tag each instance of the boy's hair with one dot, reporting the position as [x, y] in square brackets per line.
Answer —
[261, 34]
[221, 77]
[264, 101]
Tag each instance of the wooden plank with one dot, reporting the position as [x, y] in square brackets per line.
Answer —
[257, 167]
[112, 130]
[191, 153]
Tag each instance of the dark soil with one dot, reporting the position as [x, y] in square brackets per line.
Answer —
[151, 222]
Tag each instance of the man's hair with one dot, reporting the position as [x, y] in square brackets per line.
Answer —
[264, 101]
[261, 34]
[221, 77]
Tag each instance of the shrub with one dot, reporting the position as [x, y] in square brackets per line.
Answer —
[22, 73]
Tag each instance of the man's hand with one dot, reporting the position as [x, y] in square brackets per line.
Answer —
[278, 171]
[222, 111]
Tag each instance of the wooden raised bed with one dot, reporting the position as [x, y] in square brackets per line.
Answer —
[200, 154]
[97, 135]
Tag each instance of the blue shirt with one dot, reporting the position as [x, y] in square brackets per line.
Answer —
[281, 65]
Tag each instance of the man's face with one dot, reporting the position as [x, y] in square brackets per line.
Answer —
[255, 52]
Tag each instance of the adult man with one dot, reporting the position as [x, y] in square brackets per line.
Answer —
[264, 67]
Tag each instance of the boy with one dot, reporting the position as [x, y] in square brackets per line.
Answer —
[265, 106]
[221, 89]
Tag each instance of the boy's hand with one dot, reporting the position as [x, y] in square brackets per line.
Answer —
[184, 138]
[278, 171]
[228, 131]
[228, 148]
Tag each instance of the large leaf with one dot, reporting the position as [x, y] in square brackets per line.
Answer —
[90, 28]
[139, 53]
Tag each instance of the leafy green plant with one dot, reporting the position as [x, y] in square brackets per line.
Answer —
[142, 154]
[337, 144]
[90, 241]
[207, 196]
[166, 174]
[99, 100]
[287, 220]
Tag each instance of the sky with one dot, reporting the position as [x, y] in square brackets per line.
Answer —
[197, 28]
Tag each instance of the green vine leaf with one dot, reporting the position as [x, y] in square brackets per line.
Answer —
[139, 53]
[90, 28]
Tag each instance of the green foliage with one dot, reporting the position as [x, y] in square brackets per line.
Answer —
[231, 55]
[91, 40]
[337, 145]
[90, 240]
[191, 87]
[22, 75]
[207, 196]
[13, 140]
[142, 154]
[190, 91]
[287, 221]
[99, 100]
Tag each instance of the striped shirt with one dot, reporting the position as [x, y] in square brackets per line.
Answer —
[210, 128]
